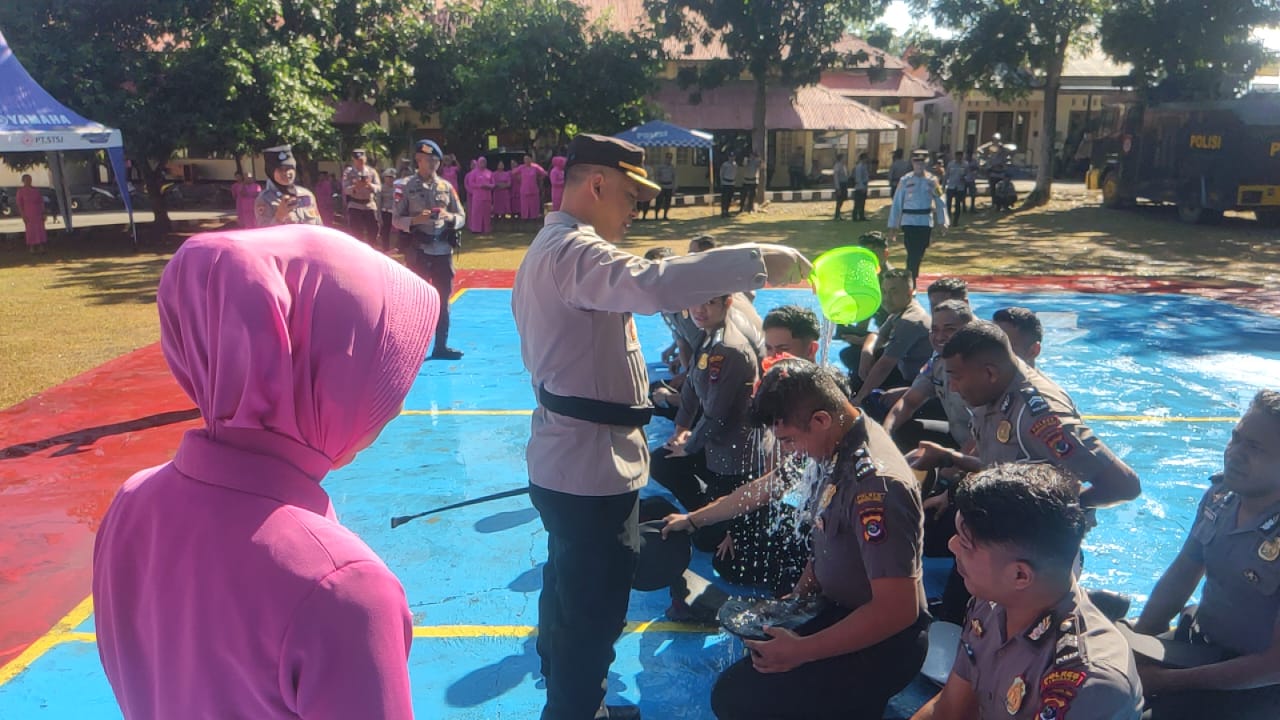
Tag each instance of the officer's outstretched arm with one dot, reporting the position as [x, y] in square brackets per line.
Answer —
[1171, 593]
[957, 701]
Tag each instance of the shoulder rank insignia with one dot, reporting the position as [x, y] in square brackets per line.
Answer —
[1035, 401]
[864, 469]
[1270, 524]
[1006, 402]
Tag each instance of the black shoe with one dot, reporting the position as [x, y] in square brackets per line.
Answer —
[445, 354]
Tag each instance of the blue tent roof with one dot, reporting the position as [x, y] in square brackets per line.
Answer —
[25, 106]
[657, 133]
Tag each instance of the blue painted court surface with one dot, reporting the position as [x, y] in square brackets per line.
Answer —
[1161, 378]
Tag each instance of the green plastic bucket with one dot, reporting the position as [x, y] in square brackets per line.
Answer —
[847, 283]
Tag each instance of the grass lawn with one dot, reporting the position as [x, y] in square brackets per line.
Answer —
[89, 300]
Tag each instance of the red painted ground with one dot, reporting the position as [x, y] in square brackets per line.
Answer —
[64, 452]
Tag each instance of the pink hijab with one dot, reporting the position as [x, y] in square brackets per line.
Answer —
[299, 330]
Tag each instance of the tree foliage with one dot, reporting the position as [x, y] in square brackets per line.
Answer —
[787, 43]
[1189, 50]
[1008, 48]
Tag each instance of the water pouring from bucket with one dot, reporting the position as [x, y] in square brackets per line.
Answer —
[847, 283]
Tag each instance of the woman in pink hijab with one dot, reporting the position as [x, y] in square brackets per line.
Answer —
[501, 191]
[31, 207]
[480, 217]
[224, 586]
[245, 190]
[556, 177]
[450, 169]
[531, 174]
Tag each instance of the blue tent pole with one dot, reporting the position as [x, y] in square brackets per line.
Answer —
[116, 156]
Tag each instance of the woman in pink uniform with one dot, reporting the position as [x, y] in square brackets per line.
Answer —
[501, 191]
[245, 190]
[480, 184]
[450, 169]
[31, 207]
[224, 585]
[531, 174]
[556, 177]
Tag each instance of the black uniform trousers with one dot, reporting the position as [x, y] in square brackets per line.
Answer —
[363, 224]
[769, 551]
[384, 232]
[1256, 704]
[842, 193]
[592, 547]
[694, 486]
[726, 198]
[859, 204]
[748, 202]
[437, 270]
[855, 686]
[955, 204]
[916, 239]
[664, 203]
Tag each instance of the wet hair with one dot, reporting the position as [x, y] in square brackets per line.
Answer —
[1023, 319]
[658, 253]
[978, 339]
[896, 274]
[1033, 510]
[955, 288]
[794, 389]
[702, 243]
[959, 307]
[874, 240]
[1267, 401]
[801, 322]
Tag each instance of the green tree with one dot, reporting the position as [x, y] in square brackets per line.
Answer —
[1189, 50]
[533, 66]
[786, 43]
[1006, 49]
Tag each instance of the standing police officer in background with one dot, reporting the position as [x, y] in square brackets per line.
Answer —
[360, 189]
[587, 457]
[284, 202]
[428, 210]
[918, 206]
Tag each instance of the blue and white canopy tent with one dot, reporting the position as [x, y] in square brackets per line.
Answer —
[31, 120]
[657, 133]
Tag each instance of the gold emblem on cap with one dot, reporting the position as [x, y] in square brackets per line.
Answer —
[633, 168]
[1013, 698]
[1003, 431]
[1269, 550]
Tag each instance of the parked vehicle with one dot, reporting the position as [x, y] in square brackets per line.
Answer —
[1205, 157]
[6, 208]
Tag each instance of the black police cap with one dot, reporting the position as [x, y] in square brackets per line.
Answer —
[588, 149]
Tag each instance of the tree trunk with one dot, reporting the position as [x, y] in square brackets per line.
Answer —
[760, 136]
[151, 174]
[1048, 130]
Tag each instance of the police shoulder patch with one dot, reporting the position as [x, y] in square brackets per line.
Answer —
[872, 520]
[1058, 688]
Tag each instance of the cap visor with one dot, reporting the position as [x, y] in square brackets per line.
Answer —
[648, 189]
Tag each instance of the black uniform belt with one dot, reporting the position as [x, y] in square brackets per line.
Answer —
[925, 211]
[599, 412]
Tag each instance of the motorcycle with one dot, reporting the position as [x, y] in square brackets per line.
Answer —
[993, 162]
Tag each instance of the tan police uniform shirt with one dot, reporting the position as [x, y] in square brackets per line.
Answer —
[1035, 421]
[364, 197]
[421, 194]
[870, 524]
[1241, 558]
[1072, 663]
[933, 382]
[572, 299]
[720, 383]
[905, 335]
[305, 213]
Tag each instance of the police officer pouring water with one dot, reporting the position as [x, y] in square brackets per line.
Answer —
[284, 202]
[430, 213]
[573, 300]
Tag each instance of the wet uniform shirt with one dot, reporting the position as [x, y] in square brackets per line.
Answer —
[720, 382]
[932, 381]
[1241, 598]
[572, 300]
[870, 524]
[1072, 664]
[905, 335]
[418, 195]
[1035, 421]
[264, 208]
